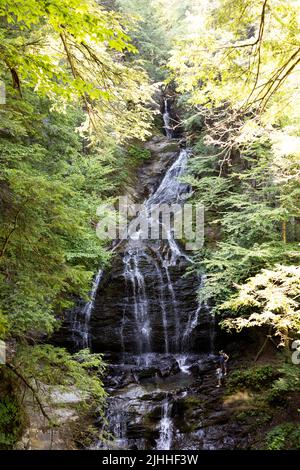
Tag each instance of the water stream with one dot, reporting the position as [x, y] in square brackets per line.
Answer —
[81, 319]
[166, 428]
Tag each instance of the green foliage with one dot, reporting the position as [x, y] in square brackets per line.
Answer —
[255, 378]
[73, 51]
[155, 27]
[242, 62]
[241, 87]
[10, 422]
[12, 418]
[250, 213]
[274, 384]
[48, 213]
[254, 418]
[137, 154]
[270, 298]
[284, 437]
[90, 361]
[272, 388]
[288, 383]
[149, 35]
[3, 325]
[55, 367]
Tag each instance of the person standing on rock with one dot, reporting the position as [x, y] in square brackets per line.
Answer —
[223, 359]
[219, 375]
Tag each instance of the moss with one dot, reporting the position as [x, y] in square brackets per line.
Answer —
[188, 427]
[11, 422]
[154, 414]
[284, 386]
[189, 402]
[276, 397]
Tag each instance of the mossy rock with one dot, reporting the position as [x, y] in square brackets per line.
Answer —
[187, 427]
[188, 404]
[154, 396]
[154, 414]
[254, 417]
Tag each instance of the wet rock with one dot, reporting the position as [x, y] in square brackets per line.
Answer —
[154, 397]
[148, 372]
[218, 417]
[113, 325]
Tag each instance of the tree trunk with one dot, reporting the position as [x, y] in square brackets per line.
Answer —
[284, 231]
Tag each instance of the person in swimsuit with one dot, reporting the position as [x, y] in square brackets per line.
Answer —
[223, 359]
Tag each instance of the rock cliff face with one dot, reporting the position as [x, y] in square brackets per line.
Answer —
[113, 323]
[60, 406]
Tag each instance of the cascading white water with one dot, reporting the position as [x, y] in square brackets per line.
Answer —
[81, 323]
[116, 418]
[170, 190]
[166, 428]
[155, 328]
[165, 264]
[194, 316]
[167, 120]
[140, 301]
[162, 303]
[182, 360]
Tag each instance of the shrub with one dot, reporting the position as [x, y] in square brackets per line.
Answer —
[137, 153]
[10, 422]
[288, 382]
[284, 436]
[255, 378]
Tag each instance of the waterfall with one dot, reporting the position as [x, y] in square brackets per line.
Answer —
[117, 418]
[140, 301]
[170, 190]
[166, 428]
[174, 302]
[162, 302]
[194, 317]
[81, 322]
[167, 120]
[156, 317]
